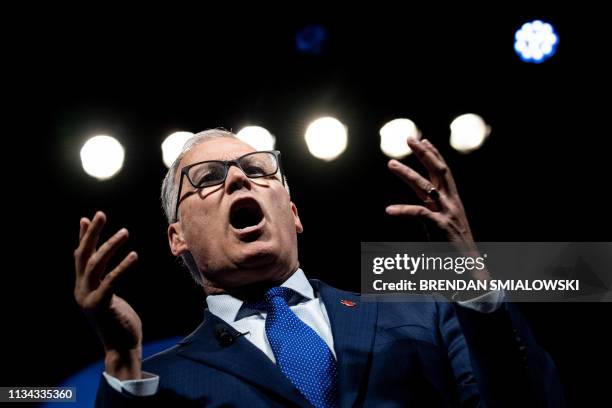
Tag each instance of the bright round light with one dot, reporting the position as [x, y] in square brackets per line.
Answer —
[535, 41]
[326, 138]
[172, 146]
[102, 157]
[393, 136]
[468, 132]
[257, 137]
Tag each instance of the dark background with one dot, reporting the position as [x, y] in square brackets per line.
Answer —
[541, 176]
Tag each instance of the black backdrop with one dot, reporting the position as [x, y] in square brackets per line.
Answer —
[541, 176]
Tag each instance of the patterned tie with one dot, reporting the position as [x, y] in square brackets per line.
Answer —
[300, 353]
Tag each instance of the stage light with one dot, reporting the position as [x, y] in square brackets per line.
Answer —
[172, 146]
[393, 136]
[311, 39]
[259, 138]
[535, 41]
[102, 157]
[326, 138]
[468, 132]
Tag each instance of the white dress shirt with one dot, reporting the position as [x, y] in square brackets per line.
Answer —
[310, 309]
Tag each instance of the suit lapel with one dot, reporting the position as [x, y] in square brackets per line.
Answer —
[353, 324]
[241, 359]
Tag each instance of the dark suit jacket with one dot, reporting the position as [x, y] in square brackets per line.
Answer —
[391, 354]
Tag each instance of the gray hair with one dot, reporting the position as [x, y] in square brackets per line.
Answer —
[170, 187]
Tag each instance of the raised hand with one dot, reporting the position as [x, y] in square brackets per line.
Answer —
[441, 206]
[117, 324]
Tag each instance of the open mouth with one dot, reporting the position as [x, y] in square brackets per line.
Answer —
[245, 213]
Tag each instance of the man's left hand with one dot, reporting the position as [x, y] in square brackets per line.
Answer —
[441, 209]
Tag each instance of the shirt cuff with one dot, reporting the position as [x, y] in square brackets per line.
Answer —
[141, 388]
[487, 303]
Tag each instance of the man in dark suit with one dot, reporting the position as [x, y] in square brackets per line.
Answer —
[270, 336]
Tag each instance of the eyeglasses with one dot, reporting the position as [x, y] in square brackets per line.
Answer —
[214, 172]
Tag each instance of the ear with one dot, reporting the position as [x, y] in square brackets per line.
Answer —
[296, 219]
[177, 243]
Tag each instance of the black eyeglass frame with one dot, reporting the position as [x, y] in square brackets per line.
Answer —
[226, 164]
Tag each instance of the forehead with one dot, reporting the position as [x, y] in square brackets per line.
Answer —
[221, 148]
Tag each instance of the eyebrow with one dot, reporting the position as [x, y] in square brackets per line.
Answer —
[225, 157]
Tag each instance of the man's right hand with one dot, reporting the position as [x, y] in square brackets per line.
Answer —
[118, 325]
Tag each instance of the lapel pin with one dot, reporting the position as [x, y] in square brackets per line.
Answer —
[348, 303]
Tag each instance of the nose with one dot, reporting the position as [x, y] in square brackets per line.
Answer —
[236, 180]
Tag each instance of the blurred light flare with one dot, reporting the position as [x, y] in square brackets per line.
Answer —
[326, 138]
[468, 132]
[393, 136]
[258, 137]
[102, 157]
[535, 41]
[311, 39]
[172, 146]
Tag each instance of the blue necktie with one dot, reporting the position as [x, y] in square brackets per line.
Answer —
[300, 353]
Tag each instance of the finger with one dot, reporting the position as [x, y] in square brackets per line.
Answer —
[438, 170]
[96, 265]
[433, 149]
[436, 167]
[90, 239]
[449, 176]
[413, 211]
[83, 224]
[418, 183]
[111, 279]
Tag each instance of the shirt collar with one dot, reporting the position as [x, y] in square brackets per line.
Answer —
[226, 306]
